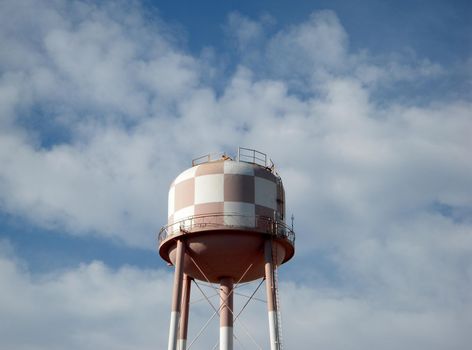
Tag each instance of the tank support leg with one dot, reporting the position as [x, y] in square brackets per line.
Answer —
[176, 296]
[270, 290]
[226, 314]
[182, 341]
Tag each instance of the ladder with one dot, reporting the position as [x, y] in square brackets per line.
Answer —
[275, 291]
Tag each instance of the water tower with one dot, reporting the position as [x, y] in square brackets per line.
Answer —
[226, 225]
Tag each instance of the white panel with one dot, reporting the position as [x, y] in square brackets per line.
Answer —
[185, 213]
[171, 201]
[272, 329]
[174, 319]
[226, 338]
[245, 214]
[182, 344]
[187, 174]
[266, 193]
[209, 188]
[238, 168]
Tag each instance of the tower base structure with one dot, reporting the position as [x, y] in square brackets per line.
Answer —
[181, 296]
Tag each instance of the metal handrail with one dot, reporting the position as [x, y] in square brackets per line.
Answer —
[245, 155]
[194, 223]
[250, 155]
[210, 157]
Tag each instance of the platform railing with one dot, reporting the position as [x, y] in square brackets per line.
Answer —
[249, 155]
[246, 155]
[226, 221]
[210, 157]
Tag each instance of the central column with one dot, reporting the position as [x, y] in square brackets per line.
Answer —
[226, 313]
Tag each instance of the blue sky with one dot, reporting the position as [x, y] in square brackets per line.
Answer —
[365, 107]
[437, 29]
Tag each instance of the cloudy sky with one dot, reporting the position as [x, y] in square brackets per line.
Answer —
[365, 107]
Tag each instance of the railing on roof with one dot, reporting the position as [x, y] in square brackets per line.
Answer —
[247, 155]
[210, 157]
[225, 221]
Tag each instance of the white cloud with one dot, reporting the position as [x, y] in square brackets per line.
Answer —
[88, 307]
[340, 322]
[94, 306]
[132, 109]
[320, 42]
[246, 32]
[308, 55]
[109, 186]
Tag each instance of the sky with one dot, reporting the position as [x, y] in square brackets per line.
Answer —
[365, 108]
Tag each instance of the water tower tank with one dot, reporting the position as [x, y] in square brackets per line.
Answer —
[226, 209]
